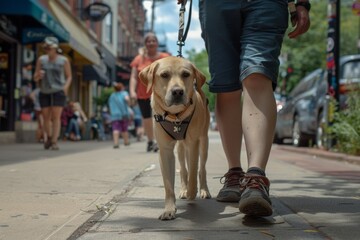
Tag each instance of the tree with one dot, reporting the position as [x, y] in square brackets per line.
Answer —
[200, 59]
[308, 52]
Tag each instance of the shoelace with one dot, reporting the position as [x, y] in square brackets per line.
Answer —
[257, 182]
[232, 178]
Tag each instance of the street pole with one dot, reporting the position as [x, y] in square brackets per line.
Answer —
[333, 49]
[152, 15]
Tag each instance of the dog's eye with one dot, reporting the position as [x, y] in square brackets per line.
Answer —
[164, 75]
[185, 74]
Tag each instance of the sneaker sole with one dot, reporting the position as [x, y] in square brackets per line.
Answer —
[258, 207]
[230, 197]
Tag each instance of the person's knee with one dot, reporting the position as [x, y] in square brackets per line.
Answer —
[257, 82]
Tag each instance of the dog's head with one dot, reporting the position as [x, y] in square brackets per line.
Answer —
[173, 79]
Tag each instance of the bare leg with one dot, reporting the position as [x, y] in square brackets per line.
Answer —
[125, 136]
[46, 112]
[56, 123]
[116, 135]
[259, 119]
[228, 116]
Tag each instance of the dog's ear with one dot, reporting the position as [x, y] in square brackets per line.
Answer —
[200, 78]
[147, 75]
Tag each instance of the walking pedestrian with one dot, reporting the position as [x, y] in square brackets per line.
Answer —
[118, 104]
[148, 55]
[53, 71]
[243, 40]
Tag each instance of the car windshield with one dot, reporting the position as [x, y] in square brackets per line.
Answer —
[351, 71]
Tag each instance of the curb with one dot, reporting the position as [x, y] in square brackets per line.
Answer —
[323, 153]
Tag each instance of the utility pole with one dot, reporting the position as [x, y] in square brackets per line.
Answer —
[153, 5]
[152, 15]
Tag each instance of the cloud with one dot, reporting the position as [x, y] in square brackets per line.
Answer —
[167, 23]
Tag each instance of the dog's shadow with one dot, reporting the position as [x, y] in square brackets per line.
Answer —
[202, 210]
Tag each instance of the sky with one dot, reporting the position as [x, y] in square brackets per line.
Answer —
[166, 25]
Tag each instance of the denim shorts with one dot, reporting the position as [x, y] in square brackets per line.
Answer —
[242, 37]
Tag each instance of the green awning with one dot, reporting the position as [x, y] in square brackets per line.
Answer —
[34, 9]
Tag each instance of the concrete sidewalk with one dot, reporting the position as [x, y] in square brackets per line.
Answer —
[309, 203]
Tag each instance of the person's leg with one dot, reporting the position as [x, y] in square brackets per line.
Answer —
[259, 119]
[147, 120]
[46, 112]
[228, 117]
[56, 125]
[124, 132]
[116, 132]
[69, 127]
[77, 130]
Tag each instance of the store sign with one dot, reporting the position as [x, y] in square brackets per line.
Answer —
[7, 26]
[96, 11]
[30, 35]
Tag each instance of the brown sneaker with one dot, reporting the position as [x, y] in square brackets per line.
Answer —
[255, 200]
[230, 192]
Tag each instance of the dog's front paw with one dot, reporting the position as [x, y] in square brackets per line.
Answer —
[205, 194]
[167, 215]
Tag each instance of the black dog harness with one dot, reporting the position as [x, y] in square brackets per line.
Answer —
[176, 129]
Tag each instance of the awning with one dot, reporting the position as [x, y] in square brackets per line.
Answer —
[122, 74]
[95, 73]
[79, 40]
[32, 8]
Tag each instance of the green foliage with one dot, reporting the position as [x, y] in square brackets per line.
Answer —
[104, 96]
[346, 126]
[200, 59]
[308, 52]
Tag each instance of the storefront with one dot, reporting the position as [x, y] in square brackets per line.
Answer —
[23, 23]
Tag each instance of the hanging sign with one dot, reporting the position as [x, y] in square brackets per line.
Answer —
[96, 11]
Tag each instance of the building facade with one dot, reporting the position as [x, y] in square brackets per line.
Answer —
[99, 49]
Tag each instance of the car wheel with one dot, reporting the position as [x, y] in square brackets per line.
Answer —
[298, 138]
[321, 137]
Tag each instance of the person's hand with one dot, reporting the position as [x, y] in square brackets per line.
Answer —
[41, 75]
[180, 1]
[133, 95]
[301, 22]
[66, 90]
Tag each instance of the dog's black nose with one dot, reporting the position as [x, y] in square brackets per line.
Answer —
[177, 92]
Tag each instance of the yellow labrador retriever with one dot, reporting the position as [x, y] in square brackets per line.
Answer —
[181, 116]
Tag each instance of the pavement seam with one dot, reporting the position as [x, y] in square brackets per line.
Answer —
[107, 208]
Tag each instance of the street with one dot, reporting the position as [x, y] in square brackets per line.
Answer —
[88, 190]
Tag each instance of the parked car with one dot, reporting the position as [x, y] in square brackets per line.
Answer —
[280, 101]
[302, 118]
